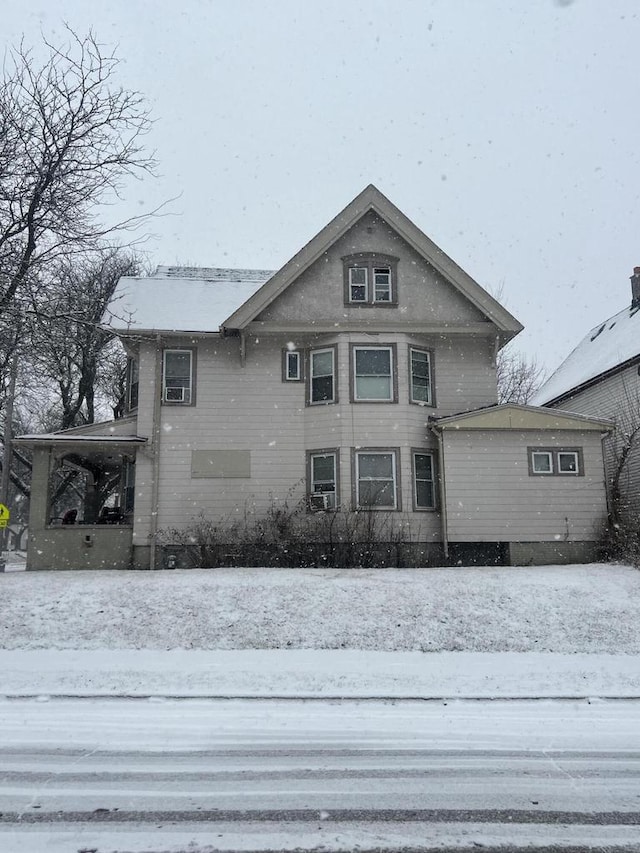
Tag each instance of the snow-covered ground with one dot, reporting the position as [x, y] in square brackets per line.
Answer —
[557, 631]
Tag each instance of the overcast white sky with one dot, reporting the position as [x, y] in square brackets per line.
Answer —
[506, 129]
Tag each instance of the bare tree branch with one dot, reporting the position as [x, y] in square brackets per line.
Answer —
[69, 137]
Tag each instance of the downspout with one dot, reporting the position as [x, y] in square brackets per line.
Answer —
[443, 490]
[155, 444]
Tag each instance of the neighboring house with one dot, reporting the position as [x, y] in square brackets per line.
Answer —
[359, 377]
[601, 378]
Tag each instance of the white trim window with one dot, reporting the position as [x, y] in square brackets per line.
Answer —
[358, 284]
[322, 474]
[382, 284]
[322, 383]
[568, 462]
[373, 374]
[541, 462]
[177, 376]
[370, 279]
[292, 366]
[556, 461]
[420, 383]
[424, 492]
[376, 479]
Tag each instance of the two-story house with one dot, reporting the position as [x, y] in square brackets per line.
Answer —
[601, 377]
[361, 376]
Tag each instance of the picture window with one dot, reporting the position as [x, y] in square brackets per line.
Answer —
[373, 374]
[376, 479]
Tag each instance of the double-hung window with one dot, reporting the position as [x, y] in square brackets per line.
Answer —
[376, 479]
[358, 284]
[133, 383]
[322, 380]
[420, 378]
[322, 480]
[177, 376]
[373, 374]
[424, 492]
[370, 279]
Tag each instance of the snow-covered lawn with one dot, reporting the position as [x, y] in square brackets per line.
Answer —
[569, 609]
[461, 632]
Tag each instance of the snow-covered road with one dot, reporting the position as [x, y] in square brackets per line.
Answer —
[131, 774]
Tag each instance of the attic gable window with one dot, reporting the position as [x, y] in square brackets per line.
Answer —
[370, 279]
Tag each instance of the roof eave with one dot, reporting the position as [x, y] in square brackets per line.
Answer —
[588, 383]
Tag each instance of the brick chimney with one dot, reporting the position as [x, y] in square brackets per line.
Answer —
[635, 288]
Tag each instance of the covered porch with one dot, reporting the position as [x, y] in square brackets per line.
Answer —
[82, 494]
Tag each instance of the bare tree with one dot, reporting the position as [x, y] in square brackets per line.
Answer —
[69, 348]
[69, 138]
[517, 376]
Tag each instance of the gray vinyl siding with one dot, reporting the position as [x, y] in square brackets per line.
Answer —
[491, 496]
[616, 397]
[251, 407]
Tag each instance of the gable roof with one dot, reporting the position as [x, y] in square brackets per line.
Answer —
[180, 299]
[607, 348]
[371, 199]
[516, 416]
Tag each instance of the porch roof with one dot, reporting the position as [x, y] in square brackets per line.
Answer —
[64, 439]
[521, 417]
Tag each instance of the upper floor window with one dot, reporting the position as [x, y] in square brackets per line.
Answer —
[373, 374]
[558, 461]
[177, 376]
[292, 365]
[420, 378]
[133, 383]
[370, 279]
[322, 379]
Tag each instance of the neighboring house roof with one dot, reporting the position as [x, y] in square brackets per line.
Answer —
[607, 348]
[190, 299]
[371, 199]
[516, 416]
[181, 299]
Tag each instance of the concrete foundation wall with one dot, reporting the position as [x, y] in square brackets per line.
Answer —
[551, 553]
[80, 547]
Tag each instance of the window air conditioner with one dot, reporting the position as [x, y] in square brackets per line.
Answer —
[318, 501]
[174, 395]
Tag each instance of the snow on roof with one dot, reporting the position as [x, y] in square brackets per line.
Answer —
[604, 348]
[77, 438]
[181, 299]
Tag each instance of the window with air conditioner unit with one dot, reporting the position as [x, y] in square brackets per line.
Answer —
[178, 368]
[318, 501]
[322, 477]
